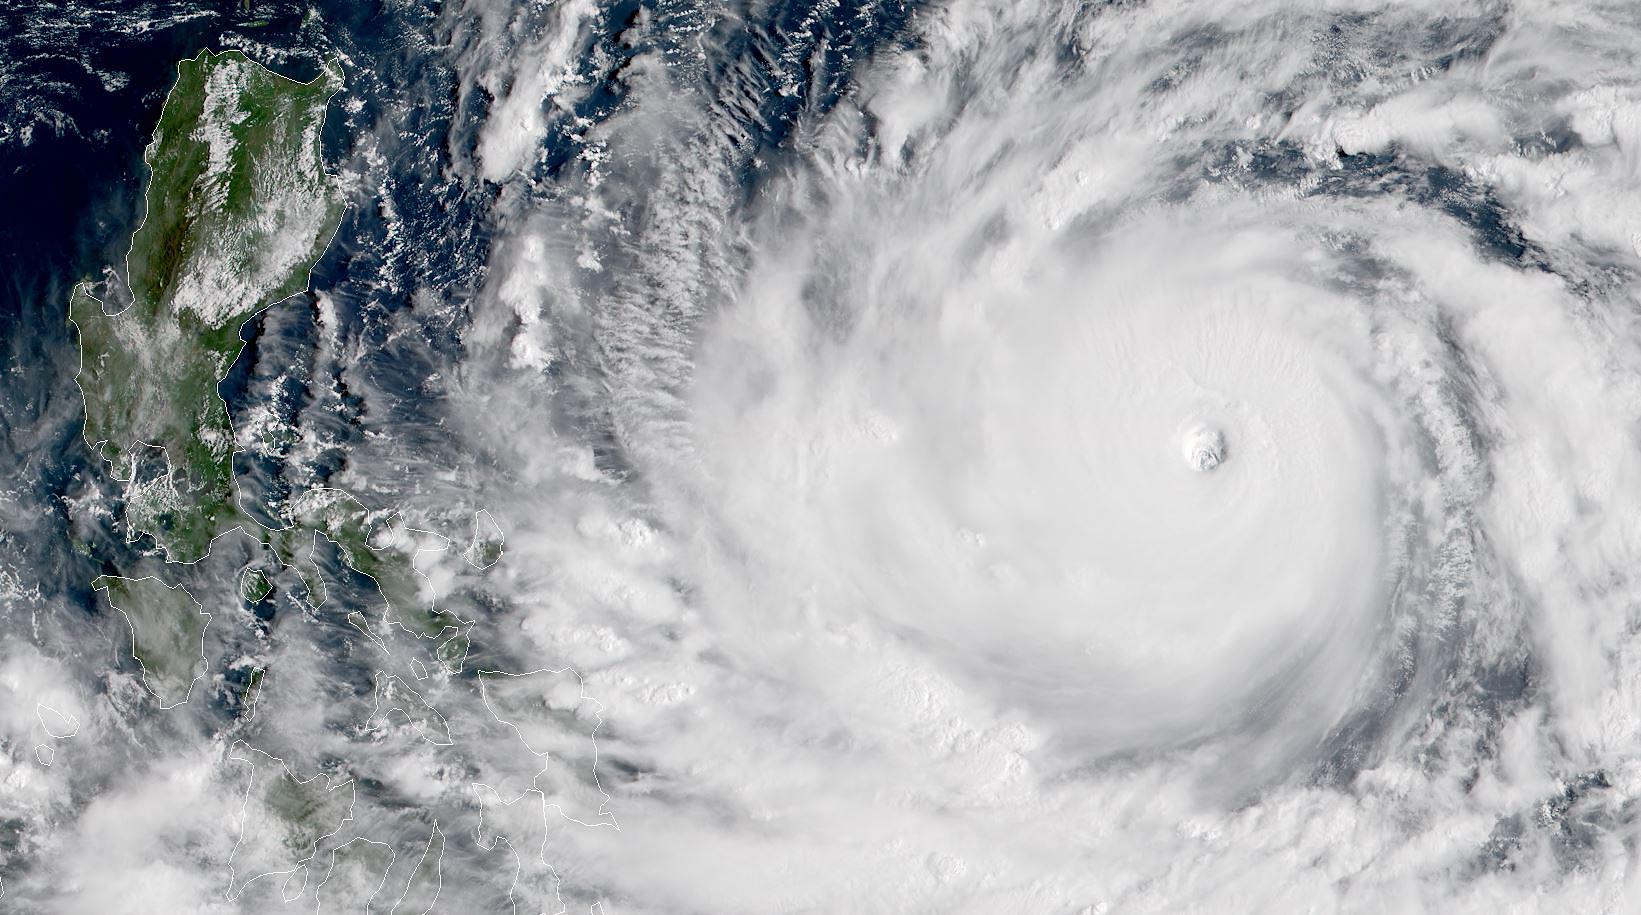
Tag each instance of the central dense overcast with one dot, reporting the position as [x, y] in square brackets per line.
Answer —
[913, 597]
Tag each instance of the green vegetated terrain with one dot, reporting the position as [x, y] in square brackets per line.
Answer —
[167, 633]
[286, 820]
[310, 809]
[374, 544]
[486, 548]
[239, 208]
[254, 585]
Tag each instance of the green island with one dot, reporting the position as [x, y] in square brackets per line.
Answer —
[372, 544]
[239, 209]
[254, 585]
[486, 548]
[167, 633]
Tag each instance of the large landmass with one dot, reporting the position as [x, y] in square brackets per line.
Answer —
[239, 208]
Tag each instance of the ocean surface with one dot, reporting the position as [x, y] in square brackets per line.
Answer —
[951, 457]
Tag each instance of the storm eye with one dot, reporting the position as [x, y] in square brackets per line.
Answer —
[1204, 447]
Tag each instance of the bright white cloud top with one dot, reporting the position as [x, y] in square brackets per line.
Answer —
[976, 456]
[1145, 458]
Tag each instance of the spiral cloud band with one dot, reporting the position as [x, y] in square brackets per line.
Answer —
[1137, 458]
[1012, 471]
[863, 456]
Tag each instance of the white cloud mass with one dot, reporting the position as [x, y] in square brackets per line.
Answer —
[1129, 457]
[912, 598]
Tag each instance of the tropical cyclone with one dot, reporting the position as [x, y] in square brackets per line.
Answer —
[240, 207]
